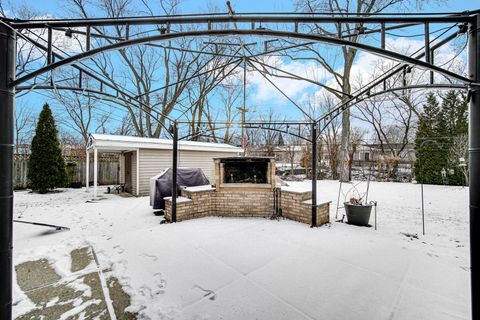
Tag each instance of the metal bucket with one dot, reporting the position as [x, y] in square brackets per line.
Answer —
[358, 214]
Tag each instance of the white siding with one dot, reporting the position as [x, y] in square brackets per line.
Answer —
[122, 169]
[152, 161]
[203, 160]
[134, 173]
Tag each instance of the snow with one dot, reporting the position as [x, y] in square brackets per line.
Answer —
[247, 268]
[119, 142]
[200, 188]
[179, 199]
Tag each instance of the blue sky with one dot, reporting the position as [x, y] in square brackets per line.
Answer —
[260, 92]
[193, 6]
[263, 5]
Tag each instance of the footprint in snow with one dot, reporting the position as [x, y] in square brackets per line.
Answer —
[207, 292]
[149, 256]
[145, 291]
[160, 283]
[119, 249]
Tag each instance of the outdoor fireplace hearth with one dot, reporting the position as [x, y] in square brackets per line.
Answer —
[245, 187]
[246, 173]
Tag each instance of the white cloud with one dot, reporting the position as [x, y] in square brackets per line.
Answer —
[62, 44]
[266, 92]
[365, 69]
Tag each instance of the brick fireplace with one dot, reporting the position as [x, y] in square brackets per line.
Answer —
[244, 187]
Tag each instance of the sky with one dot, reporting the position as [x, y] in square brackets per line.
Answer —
[261, 93]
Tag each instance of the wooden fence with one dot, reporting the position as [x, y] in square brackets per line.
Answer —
[108, 170]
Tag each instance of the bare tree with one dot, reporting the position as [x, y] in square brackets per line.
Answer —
[356, 139]
[269, 138]
[229, 94]
[331, 129]
[28, 56]
[126, 127]
[392, 123]
[77, 111]
[141, 68]
[24, 124]
[341, 63]
[199, 109]
[294, 150]
[392, 118]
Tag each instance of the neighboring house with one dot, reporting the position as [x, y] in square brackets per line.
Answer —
[372, 152]
[282, 154]
[143, 158]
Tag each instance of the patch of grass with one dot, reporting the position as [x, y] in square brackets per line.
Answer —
[120, 300]
[81, 258]
[35, 274]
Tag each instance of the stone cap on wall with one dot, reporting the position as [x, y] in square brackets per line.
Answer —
[179, 199]
[200, 188]
[309, 202]
[296, 190]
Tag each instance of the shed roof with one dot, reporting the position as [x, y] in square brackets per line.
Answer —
[124, 143]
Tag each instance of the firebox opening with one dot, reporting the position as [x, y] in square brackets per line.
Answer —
[246, 170]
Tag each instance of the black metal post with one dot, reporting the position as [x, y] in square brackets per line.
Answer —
[174, 172]
[474, 154]
[7, 75]
[314, 174]
[244, 110]
[421, 176]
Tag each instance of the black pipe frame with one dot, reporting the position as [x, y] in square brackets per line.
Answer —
[174, 172]
[7, 93]
[280, 18]
[474, 163]
[8, 82]
[280, 34]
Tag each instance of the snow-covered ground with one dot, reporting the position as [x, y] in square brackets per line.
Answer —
[234, 268]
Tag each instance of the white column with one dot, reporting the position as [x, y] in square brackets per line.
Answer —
[95, 171]
[138, 172]
[87, 170]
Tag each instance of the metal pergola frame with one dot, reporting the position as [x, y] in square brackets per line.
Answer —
[286, 25]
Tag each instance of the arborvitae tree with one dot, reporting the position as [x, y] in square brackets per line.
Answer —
[437, 128]
[46, 167]
[427, 152]
[454, 124]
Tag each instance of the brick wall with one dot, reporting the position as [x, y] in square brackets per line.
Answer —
[295, 205]
[298, 206]
[243, 203]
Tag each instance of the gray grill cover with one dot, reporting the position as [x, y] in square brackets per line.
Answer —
[188, 177]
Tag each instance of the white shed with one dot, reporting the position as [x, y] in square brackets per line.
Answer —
[142, 158]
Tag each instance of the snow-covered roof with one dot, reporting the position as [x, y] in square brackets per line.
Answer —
[123, 143]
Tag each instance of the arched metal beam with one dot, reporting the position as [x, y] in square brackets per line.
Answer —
[110, 97]
[271, 17]
[82, 69]
[241, 32]
[202, 133]
[439, 86]
[277, 130]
